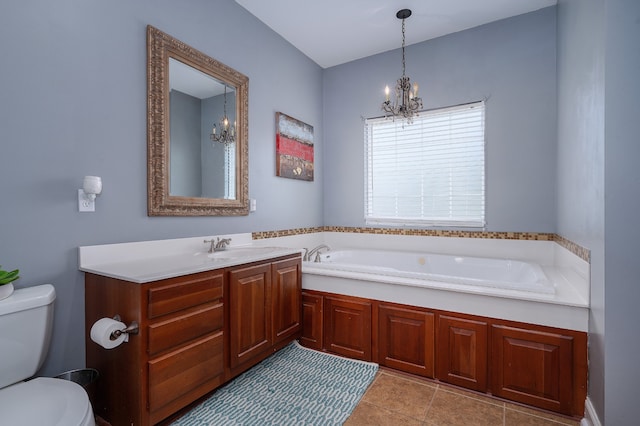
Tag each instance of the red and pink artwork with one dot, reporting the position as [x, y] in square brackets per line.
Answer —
[294, 148]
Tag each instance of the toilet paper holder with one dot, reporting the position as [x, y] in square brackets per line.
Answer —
[132, 328]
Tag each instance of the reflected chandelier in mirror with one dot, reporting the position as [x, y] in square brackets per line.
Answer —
[189, 175]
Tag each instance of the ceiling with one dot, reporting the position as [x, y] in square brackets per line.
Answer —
[332, 32]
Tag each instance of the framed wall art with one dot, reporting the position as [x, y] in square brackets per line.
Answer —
[294, 148]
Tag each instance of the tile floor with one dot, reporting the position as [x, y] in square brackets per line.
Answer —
[397, 399]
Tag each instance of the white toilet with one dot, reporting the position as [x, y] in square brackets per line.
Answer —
[25, 331]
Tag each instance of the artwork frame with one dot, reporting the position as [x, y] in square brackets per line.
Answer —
[294, 148]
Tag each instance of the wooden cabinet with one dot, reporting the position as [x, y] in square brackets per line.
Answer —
[178, 354]
[195, 333]
[406, 339]
[347, 326]
[250, 313]
[286, 297]
[462, 352]
[312, 320]
[265, 310]
[539, 366]
[185, 341]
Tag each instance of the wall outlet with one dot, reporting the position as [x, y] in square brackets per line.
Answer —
[252, 205]
[85, 205]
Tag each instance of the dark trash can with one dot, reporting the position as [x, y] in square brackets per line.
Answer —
[85, 377]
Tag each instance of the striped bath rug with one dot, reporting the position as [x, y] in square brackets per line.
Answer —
[295, 386]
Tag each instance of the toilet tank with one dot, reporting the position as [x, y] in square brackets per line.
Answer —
[26, 319]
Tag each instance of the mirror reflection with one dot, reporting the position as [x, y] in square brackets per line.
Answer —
[202, 162]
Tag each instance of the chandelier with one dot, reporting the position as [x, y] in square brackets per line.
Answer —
[227, 133]
[406, 103]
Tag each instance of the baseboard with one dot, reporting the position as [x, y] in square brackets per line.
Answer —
[590, 415]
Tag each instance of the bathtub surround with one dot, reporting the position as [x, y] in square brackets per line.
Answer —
[568, 308]
[581, 252]
[294, 386]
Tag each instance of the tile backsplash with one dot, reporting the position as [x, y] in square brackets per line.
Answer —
[574, 248]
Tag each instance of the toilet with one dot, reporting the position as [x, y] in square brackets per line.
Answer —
[26, 319]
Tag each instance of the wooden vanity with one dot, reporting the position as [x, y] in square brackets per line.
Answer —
[196, 332]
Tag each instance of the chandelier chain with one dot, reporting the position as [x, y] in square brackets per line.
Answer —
[403, 61]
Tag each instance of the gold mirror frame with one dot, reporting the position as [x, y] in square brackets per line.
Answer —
[161, 47]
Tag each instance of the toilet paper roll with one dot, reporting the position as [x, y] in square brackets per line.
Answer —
[101, 332]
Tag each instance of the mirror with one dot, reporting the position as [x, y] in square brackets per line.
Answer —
[189, 173]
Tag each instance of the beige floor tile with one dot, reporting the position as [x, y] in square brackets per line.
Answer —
[453, 409]
[474, 395]
[406, 397]
[367, 414]
[519, 418]
[542, 414]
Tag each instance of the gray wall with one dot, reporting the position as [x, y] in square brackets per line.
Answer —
[599, 185]
[73, 103]
[581, 60]
[185, 137]
[622, 203]
[512, 63]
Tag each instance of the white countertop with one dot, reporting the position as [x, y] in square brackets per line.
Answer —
[147, 261]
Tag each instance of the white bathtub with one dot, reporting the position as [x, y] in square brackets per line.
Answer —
[468, 271]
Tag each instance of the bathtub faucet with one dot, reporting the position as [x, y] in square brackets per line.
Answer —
[316, 250]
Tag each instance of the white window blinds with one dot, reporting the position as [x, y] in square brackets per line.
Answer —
[230, 171]
[430, 172]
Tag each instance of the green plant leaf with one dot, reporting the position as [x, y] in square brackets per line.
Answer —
[9, 276]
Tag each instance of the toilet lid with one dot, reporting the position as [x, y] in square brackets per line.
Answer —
[45, 401]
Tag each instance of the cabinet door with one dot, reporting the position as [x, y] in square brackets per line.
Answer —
[311, 321]
[462, 352]
[250, 312]
[532, 367]
[286, 293]
[406, 339]
[347, 327]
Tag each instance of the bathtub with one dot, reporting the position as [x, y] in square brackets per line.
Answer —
[458, 270]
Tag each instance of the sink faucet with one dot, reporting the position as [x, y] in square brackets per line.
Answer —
[218, 244]
[316, 250]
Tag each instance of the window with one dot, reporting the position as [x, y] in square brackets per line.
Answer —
[230, 171]
[428, 173]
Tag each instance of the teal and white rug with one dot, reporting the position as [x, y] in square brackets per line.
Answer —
[295, 386]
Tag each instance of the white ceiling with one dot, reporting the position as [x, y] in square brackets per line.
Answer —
[332, 32]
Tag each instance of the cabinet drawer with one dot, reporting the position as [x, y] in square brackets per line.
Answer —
[184, 293]
[180, 377]
[183, 328]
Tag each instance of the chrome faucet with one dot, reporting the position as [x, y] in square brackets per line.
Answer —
[218, 244]
[316, 250]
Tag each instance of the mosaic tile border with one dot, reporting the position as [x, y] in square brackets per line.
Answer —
[581, 252]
